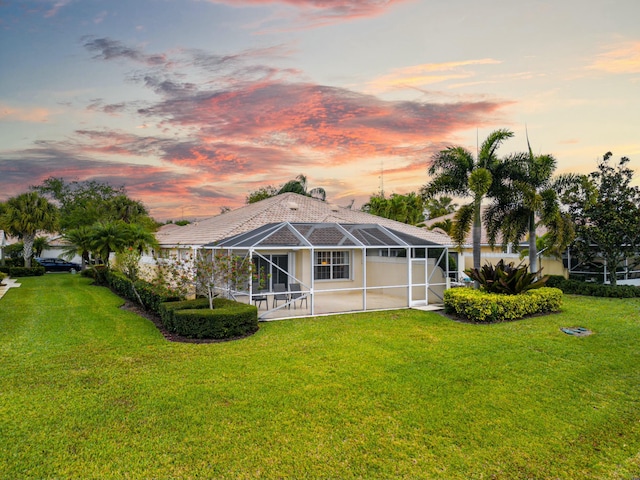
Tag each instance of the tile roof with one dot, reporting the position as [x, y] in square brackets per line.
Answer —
[287, 207]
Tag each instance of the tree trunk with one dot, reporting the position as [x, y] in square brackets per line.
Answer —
[477, 235]
[27, 250]
[612, 266]
[533, 248]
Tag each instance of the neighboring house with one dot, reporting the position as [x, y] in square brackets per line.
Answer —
[318, 258]
[597, 270]
[550, 264]
[57, 244]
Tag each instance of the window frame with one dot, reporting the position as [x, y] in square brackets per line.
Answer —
[330, 260]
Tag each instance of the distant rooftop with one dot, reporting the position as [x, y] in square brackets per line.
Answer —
[288, 207]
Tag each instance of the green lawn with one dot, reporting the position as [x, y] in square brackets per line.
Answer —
[91, 391]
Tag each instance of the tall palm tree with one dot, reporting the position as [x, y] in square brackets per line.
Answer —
[526, 197]
[26, 215]
[455, 171]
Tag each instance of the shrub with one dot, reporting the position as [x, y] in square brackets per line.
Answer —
[194, 318]
[505, 278]
[2, 277]
[577, 287]
[168, 309]
[26, 272]
[148, 295]
[5, 269]
[98, 273]
[555, 281]
[479, 306]
[153, 296]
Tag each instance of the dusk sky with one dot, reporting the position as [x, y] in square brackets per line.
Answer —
[191, 104]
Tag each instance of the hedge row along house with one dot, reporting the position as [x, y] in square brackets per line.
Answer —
[314, 258]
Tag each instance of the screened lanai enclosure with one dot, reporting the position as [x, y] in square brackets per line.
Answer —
[306, 269]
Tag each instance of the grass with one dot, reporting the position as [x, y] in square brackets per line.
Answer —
[92, 391]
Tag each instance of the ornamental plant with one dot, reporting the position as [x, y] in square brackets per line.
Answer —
[506, 279]
[205, 274]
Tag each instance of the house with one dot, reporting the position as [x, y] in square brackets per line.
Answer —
[317, 258]
[551, 264]
[57, 249]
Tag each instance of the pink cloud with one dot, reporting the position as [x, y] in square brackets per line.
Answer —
[619, 59]
[324, 11]
[247, 125]
[21, 114]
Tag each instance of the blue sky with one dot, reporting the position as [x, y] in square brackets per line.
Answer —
[192, 104]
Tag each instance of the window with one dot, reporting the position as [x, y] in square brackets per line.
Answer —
[331, 265]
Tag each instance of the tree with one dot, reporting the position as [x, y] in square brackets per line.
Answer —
[439, 206]
[118, 236]
[455, 171]
[80, 242]
[298, 185]
[26, 215]
[88, 202]
[205, 273]
[525, 197]
[606, 210]
[445, 225]
[407, 208]
[261, 193]
[140, 238]
[109, 237]
[377, 205]
[40, 244]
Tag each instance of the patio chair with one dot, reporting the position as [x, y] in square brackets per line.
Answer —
[258, 299]
[298, 294]
[281, 294]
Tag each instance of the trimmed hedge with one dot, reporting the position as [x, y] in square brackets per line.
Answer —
[577, 287]
[194, 318]
[98, 273]
[26, 272]
[478, 306]
[5, 269]
[152, 296]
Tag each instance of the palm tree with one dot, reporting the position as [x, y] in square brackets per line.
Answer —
[456, 172]
[26, 215]
[299, 185]
[415, 208]
[397, 208]
[109, 237]
[141, 238]
[527, 192]
[40, 244]
[445, 225]
[80, 243]
[377, 205]
[439, 206]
